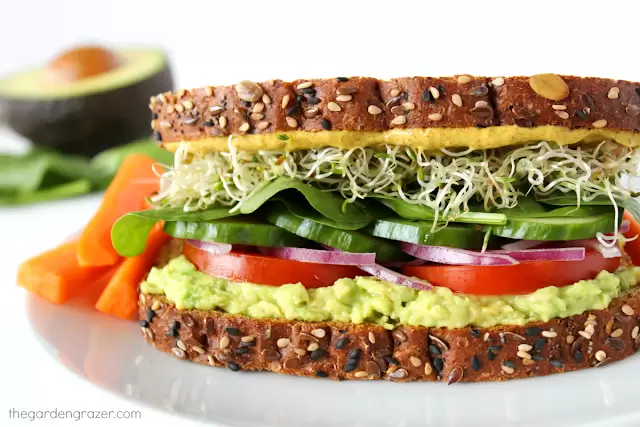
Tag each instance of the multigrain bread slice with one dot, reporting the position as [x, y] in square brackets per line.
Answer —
[372, 105]
[343, 351]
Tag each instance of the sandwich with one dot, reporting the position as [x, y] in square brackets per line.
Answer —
[417, 229]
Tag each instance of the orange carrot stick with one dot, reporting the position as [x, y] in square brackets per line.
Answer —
[56, 275]
[134, 181]
[120, 297]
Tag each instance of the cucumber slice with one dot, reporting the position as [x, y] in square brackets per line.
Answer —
[234, 232]
[571, 227]
[419, 232]
[345, 240]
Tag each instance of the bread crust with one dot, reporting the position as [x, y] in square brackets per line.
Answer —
[342, 351]
[367, 104]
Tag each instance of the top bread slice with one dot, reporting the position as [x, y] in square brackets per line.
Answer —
[601, 106]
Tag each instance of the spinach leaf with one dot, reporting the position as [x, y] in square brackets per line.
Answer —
[69, 189]
[129, 233]
[108, 162]
[425, 213]
[328, 204]
[299, 207]
[630, 204]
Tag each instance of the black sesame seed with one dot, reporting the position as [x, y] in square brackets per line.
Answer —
[313, 100]
[300, 98]
[438, 364]
[392, 360]
[150, 314]
[441, 90]
[539, 344]
[317, 354]
[509, 364]
[172, 333]
[241, 350]
[426, 95]
[577, 355]
[154, 115]
[208, 123]
[309, 91]
[246, 104]
[157, 136]
[233, 331]
[495, 348]
[350, 366]
[144, 324]
[175, 325]
[481, 126]
[581, 114]
[295, 109]
[326, 124]
[474, 332]
[475, 363]
[233, 366]
[556, 363]
[491, 355]
[341, 343]
[537, 357]
[532, 332]
[342, 79]
[354, 354]
[342, 331]
[248, 344]
[638, 91]
[321, 374]
[434, 350]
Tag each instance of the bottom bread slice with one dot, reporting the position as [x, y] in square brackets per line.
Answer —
[343, 351]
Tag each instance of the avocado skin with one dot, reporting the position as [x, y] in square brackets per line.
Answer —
[87, 125]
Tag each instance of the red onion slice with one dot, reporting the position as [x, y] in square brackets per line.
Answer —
[391, 276]
[607, 252]
[522, 244]
[625, 225]
[213, 248]
[445, 255]
[555, 254]
[320, 256]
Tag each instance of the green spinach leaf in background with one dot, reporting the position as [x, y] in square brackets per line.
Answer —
[43, 175]
[110, 160]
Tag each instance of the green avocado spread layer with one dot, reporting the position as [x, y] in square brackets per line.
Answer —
[369, 300]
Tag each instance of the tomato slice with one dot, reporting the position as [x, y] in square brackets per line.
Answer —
[516, 279]
[632, 248]
[264, 270]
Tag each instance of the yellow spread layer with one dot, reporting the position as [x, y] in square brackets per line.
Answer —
[426, 139]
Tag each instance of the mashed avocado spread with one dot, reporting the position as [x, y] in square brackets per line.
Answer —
[369, 300]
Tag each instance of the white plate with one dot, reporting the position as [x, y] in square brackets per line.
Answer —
[112, 355]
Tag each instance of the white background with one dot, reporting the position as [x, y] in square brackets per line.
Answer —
[212, 42]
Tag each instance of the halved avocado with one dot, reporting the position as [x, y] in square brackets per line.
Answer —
[100, 103]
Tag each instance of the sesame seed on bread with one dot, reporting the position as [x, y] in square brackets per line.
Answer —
[390, 108]
[341, 351]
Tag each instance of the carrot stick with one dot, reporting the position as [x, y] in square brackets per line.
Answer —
[56, 275]
[120, 297]
[134, 181]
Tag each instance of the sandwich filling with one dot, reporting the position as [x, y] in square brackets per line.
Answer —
[371, 300]
[447, 181]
